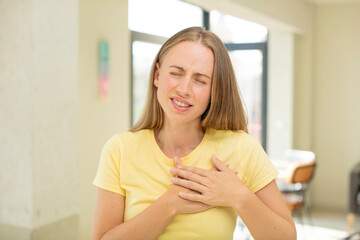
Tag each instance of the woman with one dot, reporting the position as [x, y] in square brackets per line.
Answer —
[188, 167]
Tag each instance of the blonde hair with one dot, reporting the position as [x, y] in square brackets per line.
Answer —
[225, 110]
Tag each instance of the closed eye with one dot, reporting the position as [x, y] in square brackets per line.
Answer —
[201, 81]
[175, 73]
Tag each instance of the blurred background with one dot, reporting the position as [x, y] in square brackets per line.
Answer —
[74, 73]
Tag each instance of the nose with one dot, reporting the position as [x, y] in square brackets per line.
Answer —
[184, 86]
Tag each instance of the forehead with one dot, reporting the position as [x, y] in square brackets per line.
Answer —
[189, 54]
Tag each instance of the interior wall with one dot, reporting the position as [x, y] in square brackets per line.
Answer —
[336, 101]
[16, 206]
[98, 121]
[38, 120]
[280, 93]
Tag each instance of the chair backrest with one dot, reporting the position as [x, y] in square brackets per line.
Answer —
[303, 173]
[294, 155]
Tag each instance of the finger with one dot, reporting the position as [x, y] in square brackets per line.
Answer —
[192, 197]
[198, 171]
[187, 175]
[219, 164]
[177, 161]
[227, 165]
[188, 184]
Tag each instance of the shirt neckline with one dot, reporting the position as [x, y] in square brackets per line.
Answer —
[185, 159]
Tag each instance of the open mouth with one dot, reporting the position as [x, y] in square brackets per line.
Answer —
[180, 104]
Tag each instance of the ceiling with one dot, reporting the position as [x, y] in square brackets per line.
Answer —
[331, 1]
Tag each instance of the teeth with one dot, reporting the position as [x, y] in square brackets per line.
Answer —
[180, 103]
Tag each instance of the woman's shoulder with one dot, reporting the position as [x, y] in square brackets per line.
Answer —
[214, 133]
[126, 138]
[229, 136]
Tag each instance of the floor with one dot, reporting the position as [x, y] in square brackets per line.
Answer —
[333, 219]
[326, 225]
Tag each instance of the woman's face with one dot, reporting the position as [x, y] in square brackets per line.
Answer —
[184, 81]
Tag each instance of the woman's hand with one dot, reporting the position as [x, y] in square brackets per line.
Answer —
[172, 198]
[216, 188]
[181, 205]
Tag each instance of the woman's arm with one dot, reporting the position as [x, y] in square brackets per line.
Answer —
[108, 220]
[264, 213]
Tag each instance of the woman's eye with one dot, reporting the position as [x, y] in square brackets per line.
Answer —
[175, 73]
[200, 81]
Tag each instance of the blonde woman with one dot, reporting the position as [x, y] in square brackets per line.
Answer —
[188, 168]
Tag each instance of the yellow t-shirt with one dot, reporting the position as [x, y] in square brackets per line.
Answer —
[133, 165]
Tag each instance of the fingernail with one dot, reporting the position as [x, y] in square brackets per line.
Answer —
[179, 166]
[213, 157]
[172, 170]
[227, 164]
[172, 179]
[181, 194]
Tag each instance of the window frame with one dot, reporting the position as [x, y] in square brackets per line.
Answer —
[263, 47]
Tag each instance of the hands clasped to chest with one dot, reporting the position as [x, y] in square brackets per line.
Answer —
[219, 186]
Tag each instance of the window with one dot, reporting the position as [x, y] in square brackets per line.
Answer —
[163, 17]
[152, 22]
[247, 45]
[143, 55]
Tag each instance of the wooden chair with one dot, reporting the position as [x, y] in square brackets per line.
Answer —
[297, 184]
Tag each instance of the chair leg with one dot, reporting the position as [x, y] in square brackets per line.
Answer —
[308, 213]
[350, 220]
[306, 208]
[298, 213]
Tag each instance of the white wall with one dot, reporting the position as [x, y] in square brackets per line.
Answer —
[15, 89]
[98, 121]
[336, 101]
[280, 94]
[38, 104]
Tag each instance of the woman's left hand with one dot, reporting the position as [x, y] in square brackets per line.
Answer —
[217, 188]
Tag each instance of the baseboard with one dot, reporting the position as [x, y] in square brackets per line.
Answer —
[64, 229]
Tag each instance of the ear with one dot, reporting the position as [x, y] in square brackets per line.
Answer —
[156, 75]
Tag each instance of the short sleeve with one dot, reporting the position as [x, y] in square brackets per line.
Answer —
[108, 173]
[261, 171]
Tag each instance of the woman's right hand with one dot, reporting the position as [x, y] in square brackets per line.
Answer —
[171, 199]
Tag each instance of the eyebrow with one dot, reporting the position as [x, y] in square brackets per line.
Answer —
[197, 74]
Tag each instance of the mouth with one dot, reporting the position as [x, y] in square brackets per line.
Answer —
[180, 105]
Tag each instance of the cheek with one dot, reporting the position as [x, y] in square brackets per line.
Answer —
[204, 95]
[164, 86]
[168, 84]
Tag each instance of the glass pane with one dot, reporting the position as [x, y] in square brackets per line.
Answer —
[143, 56]
[235, 30]
[162, 17]
[248, 69]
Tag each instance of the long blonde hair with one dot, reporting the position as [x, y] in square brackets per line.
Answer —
[225, 110]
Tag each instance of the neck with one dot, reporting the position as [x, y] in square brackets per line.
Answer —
[179, 140]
